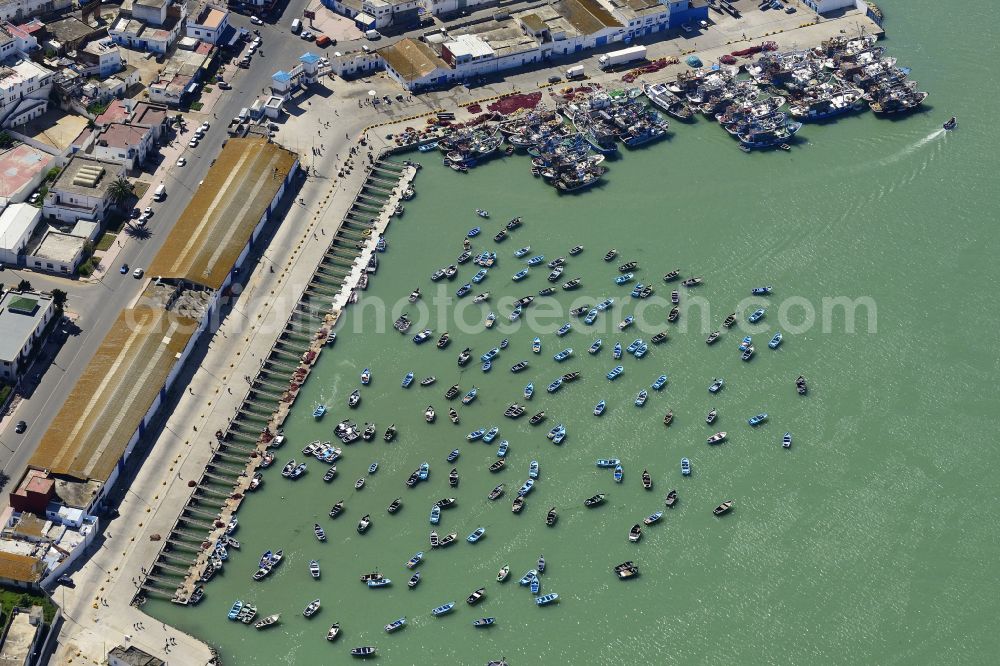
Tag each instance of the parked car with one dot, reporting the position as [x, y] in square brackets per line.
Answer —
[181, 161]
[66, 580]
[20, 427]
[124, 269]
[256, 21]
[193, 143]
[686, 27]
[35, 197]
[224, 85]
[135, 213]
[703, 24]
[137, 273]
[205, 126]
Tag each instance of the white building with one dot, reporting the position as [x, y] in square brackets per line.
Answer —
[125, 143]
[24, 90]
[18, 10]
[377, 14]
[826, 6]
[100, 58]
[209, 25]
[155, 26]
[81, 191]
[439, 7]
[23, 317]
[17, 223]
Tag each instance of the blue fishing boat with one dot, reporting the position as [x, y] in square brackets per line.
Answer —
[453, 456]
[685, 467]
[526, 488]
[470, 396]
[475, 434]
[622, 279]
[379, 582]
[528, 577]
[635, 345]
[599, 409]
[476, 535]
[487, 366]
[235, 610]
[608, 462]
[596, 347]
[535, 585]
[536, 346]
[520, 275]
[407, 380]
[761, 291]
[547, 599]
[463, 290]
[564, 354]
[381, 244]
[660, 382]
[616, 353]
[529, 391]
[366, 376]
[616, 372]
[786, 441]
[556, 430]
[716, 385]
[427, 147]
[641, 351]
[533, 469]
[502, 450]
[415, 560]
[591, 317]
[748, 353]
[619, 474]
[423, 471]
[490, 434]
[625, 323]
[756, 315]
[534, 261]
[483, 622]
[479, 276]
[319, 411]
[474, 232]
[443, 609]
[523, 251]
[373, 468]
[555, 386]
[515, 314]
[564, 329]
[605, 304]
[435, 514]
[395, 624]
[775, 341]
[640, 399]
[490, 355]
[482, 213]
[652, 518]
[746, 342]
[758, 419]
[559, 437]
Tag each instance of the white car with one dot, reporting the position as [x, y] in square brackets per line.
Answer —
[181, 161]
[703, 24]
[256, 21]
[137, 273]
[204, 126]
[193, 143]
[687, 27]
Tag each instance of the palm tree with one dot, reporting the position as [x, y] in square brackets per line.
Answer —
[120, 191]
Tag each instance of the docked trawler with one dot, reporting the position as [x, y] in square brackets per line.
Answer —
[668, 101]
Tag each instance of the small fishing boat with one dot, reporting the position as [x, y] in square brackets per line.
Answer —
[483, 622]
[453, 477]
[490, 434]
[537, 418]
[611, 254]
[517, 505]
[775, 341]
[717, 437]
[363, 652]
[554, 386]
[758, 419]
[691, 282]
[626, 322]
[359, 484]
[415, 578]
[443, 609]
[464, 290]
[496, 493]
[712, 338]
[476, 535]
[354, 399]
[470, 396]
[623, 279]
[635, 533]
[423, 471]
[427, 381]
[536, 346]
[319, 411]
[312, 608]
[522, 251]
[596, 347]
[547, 599]
[475, 434]
[435, 514]
[619, 474]
[652, 518]
[572, 284]
[503, 573]
[446, 503]
[640, 399]
[473, 232]
[563, 355]
[730, 320]
[366, 376]
[430, 414]
[604, 305]
[800, 385]
[564, 329]
[580, 311]
[616, 372]
[390, 433]
[668, 418]
[626, 570]
[464, 257]
[453, 415]
[673, 314]
[627, 267]
[557, 262]
[318, 531]
[364, 524]
[756, 315]
[504, 447]
[268, 621]
[334, 632]
[500, 236]
[514, 223]
[415, 560]
[394, 505]
[337, 509]
[548, 291]
[373, 468]
[685, 467]
[599, 409]
[498, 465]
[375, 575]
[415, 294]
[482, 213]
[672, 275]
[951, 124]
[234, 612]
[533, 469]
[723, 508]
[481, 298]
[671, 499]
[452, 392]
[594, 501]
[526, 488]
[407, 380]
[616, 353]
[520, 275]
[761, 291]
[537, 259]
[551, 517]
[710, 418]
[786, 441]
[716, 385]
[535, 585]
[476, 596]
[487, 366]
[528, 577]
[395, 625]
[479, 276]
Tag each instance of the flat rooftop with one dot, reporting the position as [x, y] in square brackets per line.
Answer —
[19, 165]
[76, 177]
[57, 246]
[89, 434]
[20, 316]
[412, 59]
[17, 645]
[219, 220]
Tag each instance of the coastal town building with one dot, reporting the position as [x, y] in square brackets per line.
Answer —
[100, 58]
[18, 10]
[180, 75]
[17, 223]
[132, 656]
[24, 634]
[153, 26]
[445, 7]
[82, 190]
[23, 319]
[209, 24]
[24, 90]
[61, 252]
[827, 6]
[23, 167]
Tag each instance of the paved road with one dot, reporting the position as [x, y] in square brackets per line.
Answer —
[98, 303]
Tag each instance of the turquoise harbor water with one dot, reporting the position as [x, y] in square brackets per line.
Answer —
[868, 542]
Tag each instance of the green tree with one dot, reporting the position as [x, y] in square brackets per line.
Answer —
[120, 191]
[6, 140]
[24, 285]
[59, 298]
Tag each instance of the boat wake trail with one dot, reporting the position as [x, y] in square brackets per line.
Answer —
[912, 148]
